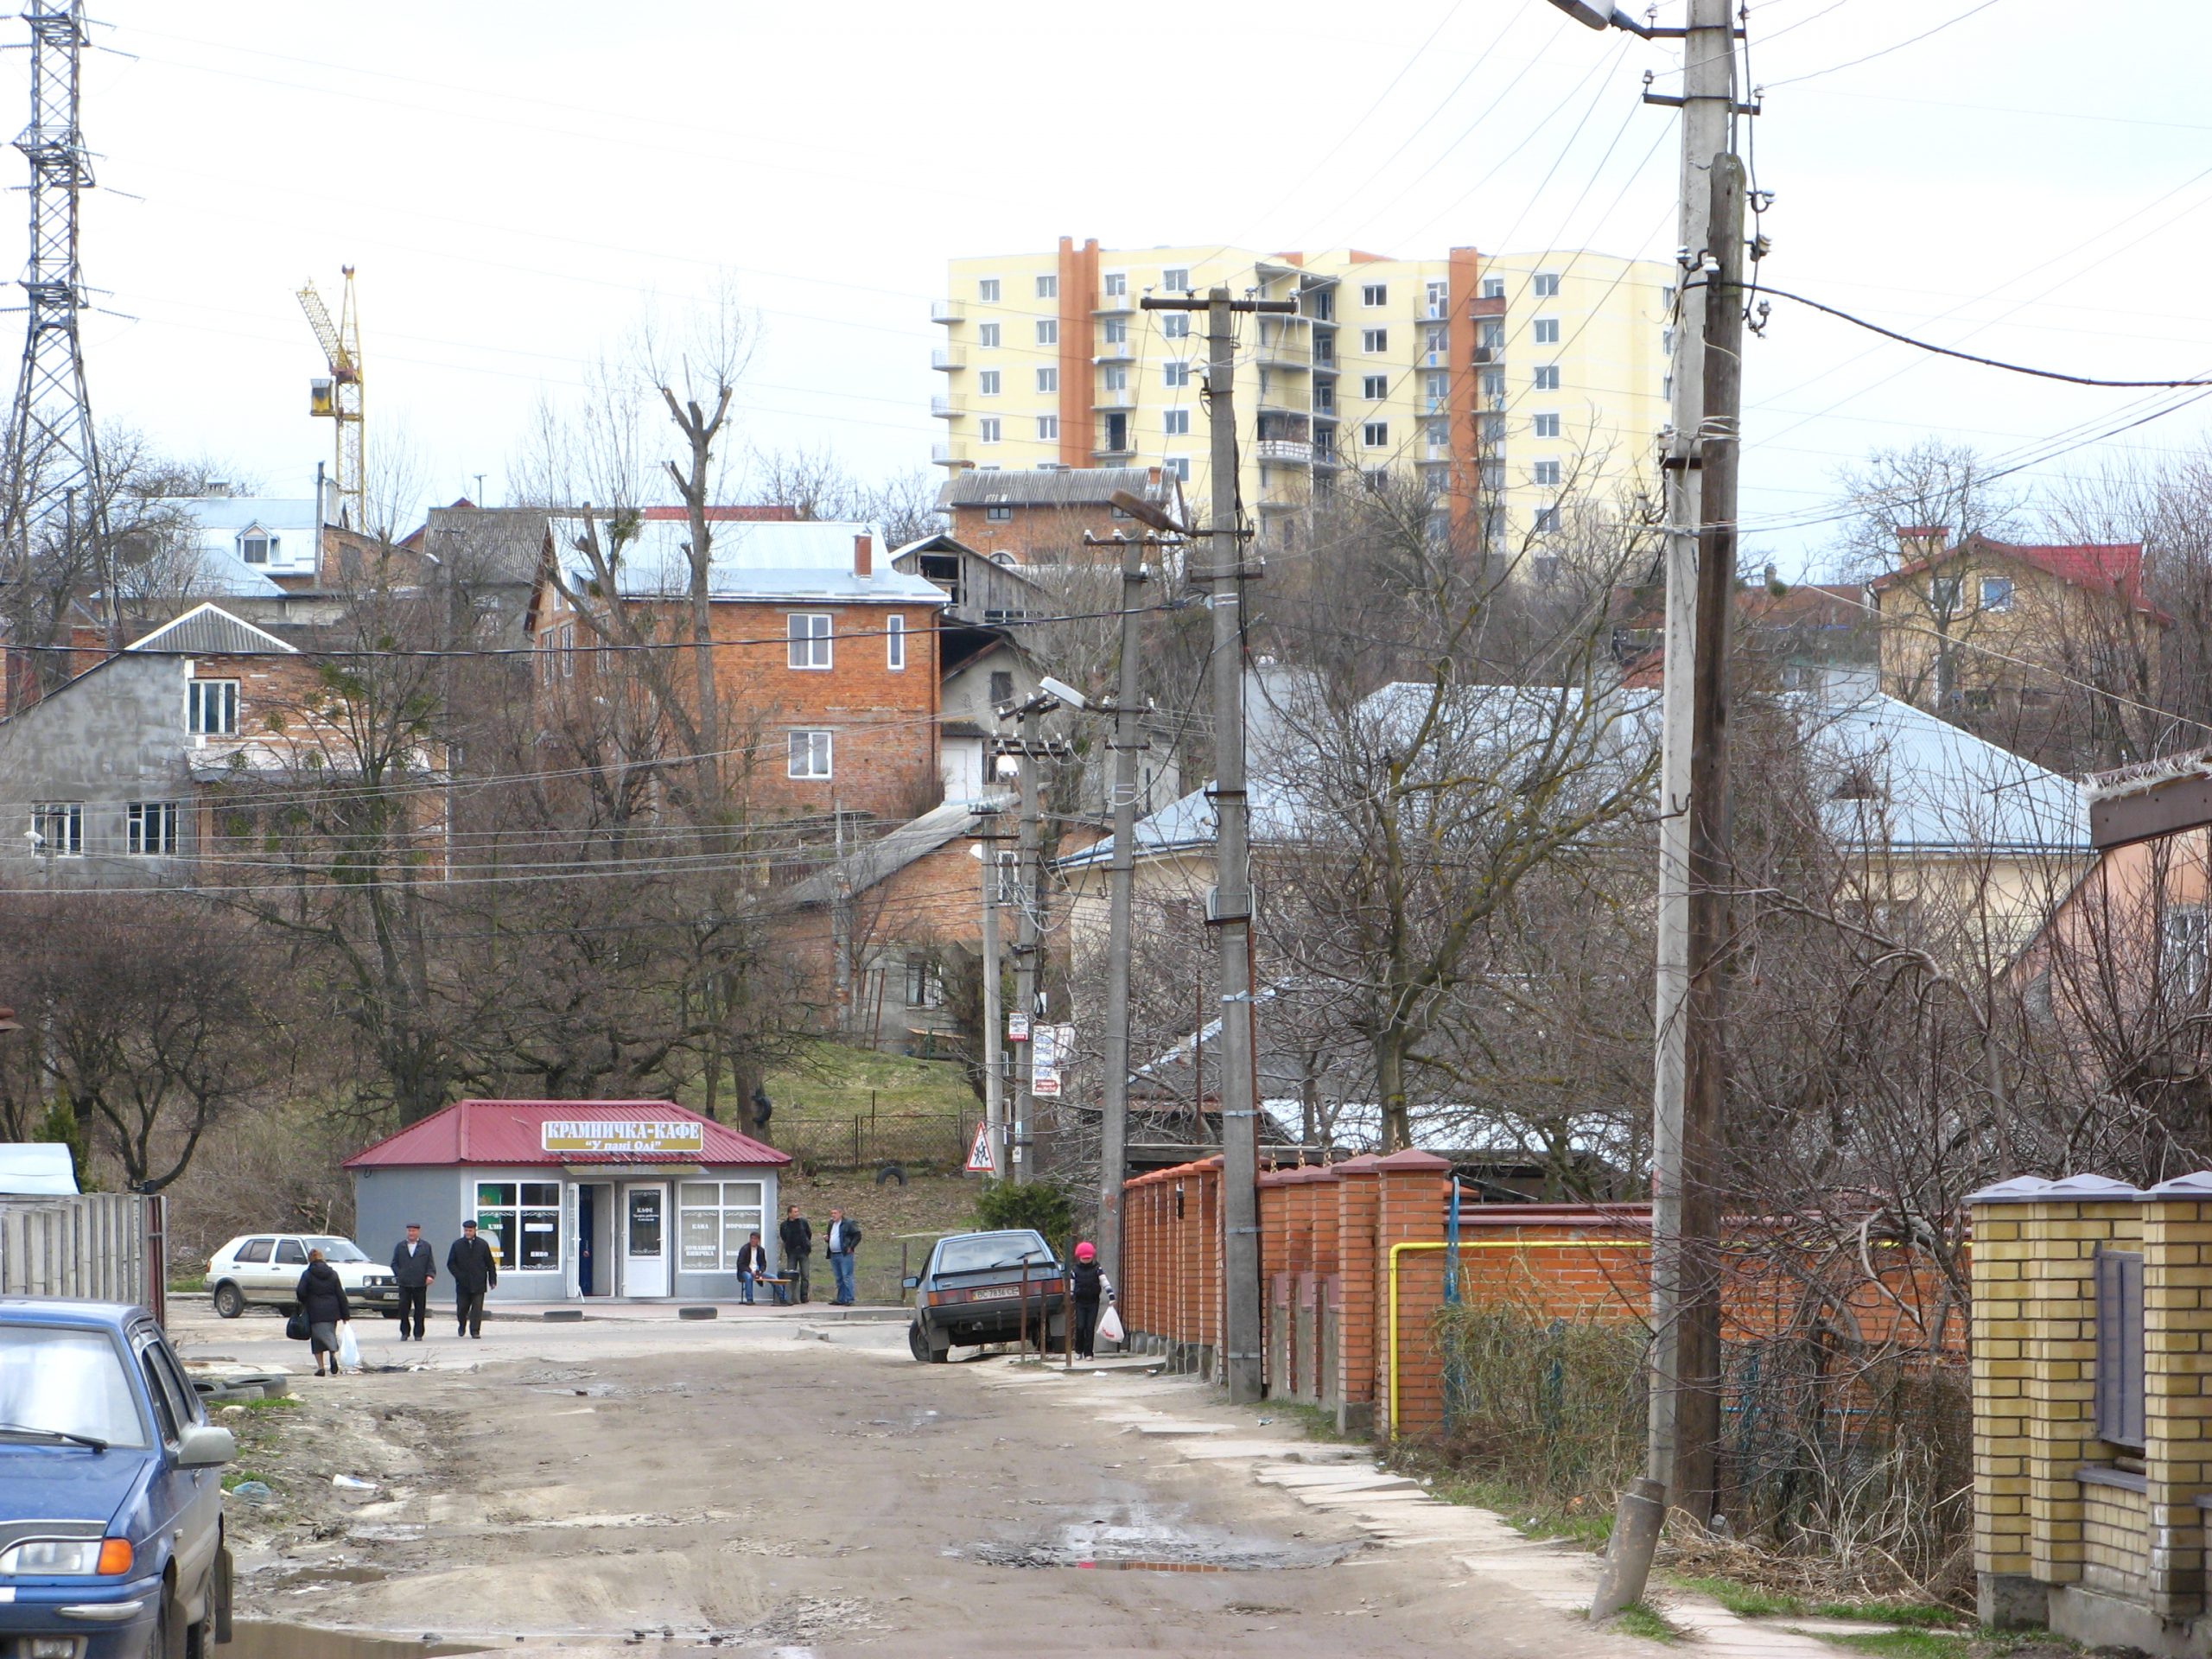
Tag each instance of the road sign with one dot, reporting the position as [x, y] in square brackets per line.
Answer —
[1044, 1080]
[1017, 1027]
[1044, 1048]
[979, 1155]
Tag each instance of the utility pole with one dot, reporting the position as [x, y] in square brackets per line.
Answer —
[1684, 1340]
[1027, 935]
[1230, 912]
[1128, 742]
[994, 1028]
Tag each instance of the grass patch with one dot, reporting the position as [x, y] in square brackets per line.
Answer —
[188, 1283]
[834, 1081]
[1747, 1600]
[1637, 1619]
[1911, 1644]
[1920, 1615]
[234, 1478]
[1319, 1421]
[271, 1402]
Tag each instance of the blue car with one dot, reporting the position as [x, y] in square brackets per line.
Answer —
[110, 1490]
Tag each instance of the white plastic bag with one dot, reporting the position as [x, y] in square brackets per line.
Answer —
[349, 1352]
[1109, 1324]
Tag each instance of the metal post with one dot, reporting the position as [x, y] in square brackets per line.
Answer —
[993, 1017]
[1026, 937]
[1128, 741]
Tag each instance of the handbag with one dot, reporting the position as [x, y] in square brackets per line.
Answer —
[296, 1326]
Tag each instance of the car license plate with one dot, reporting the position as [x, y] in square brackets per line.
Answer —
[993, 1292]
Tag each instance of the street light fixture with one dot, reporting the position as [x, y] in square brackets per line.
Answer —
[1590, 17]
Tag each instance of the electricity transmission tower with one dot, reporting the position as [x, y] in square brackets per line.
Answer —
[56, 508]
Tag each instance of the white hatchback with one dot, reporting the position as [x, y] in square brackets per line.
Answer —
[265, 1268]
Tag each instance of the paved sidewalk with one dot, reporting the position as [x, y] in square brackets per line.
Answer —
[1394, 1510]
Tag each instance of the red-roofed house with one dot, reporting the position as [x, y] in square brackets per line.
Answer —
[1986, 622]
[635, 1198]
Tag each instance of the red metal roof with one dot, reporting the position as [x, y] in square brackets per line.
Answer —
[2115, 567]
[512, 1132]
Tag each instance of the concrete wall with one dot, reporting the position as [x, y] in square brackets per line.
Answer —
[109, 737]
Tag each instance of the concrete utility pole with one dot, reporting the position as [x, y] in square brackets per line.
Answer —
[994, 1028]
[1128, 743]
[1027, 944]
[1229, 912]
[1688, 1037]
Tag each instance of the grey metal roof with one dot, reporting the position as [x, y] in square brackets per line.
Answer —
[1071, 486]
[884, 857]
[487, 544]
[210, 631]
[808, 559]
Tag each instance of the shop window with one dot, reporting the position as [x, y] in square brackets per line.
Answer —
[522, 1220]
[713, 1218]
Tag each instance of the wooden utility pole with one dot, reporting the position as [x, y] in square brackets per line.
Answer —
[1697, 1422]
[1230, 909]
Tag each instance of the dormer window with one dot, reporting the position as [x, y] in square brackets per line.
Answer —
[256, 545]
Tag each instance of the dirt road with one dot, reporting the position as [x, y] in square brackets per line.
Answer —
[744, 1486]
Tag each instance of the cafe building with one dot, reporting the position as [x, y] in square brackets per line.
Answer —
[579, 1199]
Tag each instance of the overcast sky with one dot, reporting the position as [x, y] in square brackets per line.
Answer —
[517, 183]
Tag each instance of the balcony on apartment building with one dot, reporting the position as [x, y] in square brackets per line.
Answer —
[940, 455]
[1114, 305]
[1116, 350]
[1490, 306]
[1114, 397]
[947, 311]
[941, 406]
[1283, 452]
[945, 359]
[1277, 398]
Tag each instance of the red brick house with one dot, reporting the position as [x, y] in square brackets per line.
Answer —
[825, 658]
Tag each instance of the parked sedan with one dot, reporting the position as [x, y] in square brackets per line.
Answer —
[264, 1268]
[111, 1491]
[972, 1292]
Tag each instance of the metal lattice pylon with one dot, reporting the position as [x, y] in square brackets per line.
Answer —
[339, 397]
[56, 506]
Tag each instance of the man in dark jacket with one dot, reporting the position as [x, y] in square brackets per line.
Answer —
[414, 1265]
[475, 1270]
[844, 1238]
[796, 1236]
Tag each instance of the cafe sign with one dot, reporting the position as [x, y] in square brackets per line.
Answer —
[601, 1135]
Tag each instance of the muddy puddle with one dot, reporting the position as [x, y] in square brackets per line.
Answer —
[1143, 1545]
[255, 1639]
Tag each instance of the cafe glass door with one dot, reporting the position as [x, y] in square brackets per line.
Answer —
[645, 1241]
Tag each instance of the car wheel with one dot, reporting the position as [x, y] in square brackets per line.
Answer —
[917, 1343]
[230, 1301]
[170, 1633]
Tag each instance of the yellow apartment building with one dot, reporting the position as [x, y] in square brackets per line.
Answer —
[1503, 381]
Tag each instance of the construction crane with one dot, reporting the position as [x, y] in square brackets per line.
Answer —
[339, 397]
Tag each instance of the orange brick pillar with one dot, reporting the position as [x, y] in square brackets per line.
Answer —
[1357, 1195]
[1410, 1204]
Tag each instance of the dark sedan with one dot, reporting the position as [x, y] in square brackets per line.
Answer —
[972, 1292]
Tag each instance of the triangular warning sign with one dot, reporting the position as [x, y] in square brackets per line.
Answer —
[979, 1155]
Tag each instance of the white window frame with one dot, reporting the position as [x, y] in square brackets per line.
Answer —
[1175, 423]
[1375, 435]
[1374, 295]
[1373, 340]
[1048, 428]
[1048, 331]
[808, 747]
[987, 384]
[1174, 325]
[267, 540]
[986, 429]
[60, 827]
[1374, 387]
[998, 514]
[1178, 465]
[2004, 603]
[1115, 331]
[1546, 521]
[1543, 426]
[1545, 284]
[1546, 377]
[1174, 374]
[215, 699]
[1116, 283]
[1116, 378]
[987, 336]
[1048, 380]
[987, 290]
[158, 816]
[1048, 288]
[734, 1219]
[1544, 330]
[1493, 288]
[1545, 473]
[1176, 279]
[894, 644]
[810, 640]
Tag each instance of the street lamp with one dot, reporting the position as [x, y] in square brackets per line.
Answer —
[1590, 17]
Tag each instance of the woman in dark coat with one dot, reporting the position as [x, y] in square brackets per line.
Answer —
[1086, 1284]
[321, 1296]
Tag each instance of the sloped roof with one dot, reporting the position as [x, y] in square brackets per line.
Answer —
[210, 631]
[512, 1132]
[1068, 487]
[2109, 567]
[784, 559]
[887, 855]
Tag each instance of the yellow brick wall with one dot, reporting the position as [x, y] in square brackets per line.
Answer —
[1999, 1337]
[2114, 1524]
[2176, 1308]
[2061, 1308]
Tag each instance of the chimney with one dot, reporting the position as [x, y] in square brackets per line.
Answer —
[863, 556]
